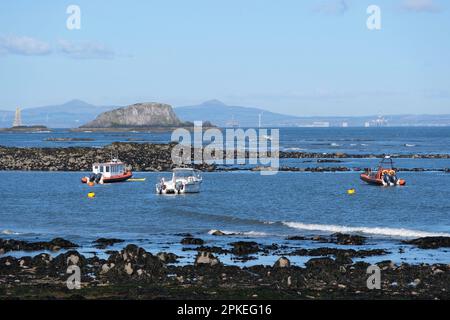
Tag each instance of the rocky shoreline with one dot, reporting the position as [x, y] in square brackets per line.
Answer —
[157, 157]
[134, 273]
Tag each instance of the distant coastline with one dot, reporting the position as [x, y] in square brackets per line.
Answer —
[35, 128]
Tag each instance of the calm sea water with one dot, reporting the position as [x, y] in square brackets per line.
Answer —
[266, 209]
[349, 140]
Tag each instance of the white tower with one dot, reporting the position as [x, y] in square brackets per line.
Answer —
[18, 118]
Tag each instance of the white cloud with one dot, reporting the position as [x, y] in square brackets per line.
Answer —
[420, 6]
[23, 45]
[85, 50]
[333, 7]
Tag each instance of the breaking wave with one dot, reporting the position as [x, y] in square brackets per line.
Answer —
[9, 232]
[392, 232]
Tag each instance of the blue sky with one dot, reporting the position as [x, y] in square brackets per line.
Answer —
[295, 57]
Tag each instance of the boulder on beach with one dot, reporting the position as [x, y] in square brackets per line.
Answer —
[206, 258]
[132, 262]
[283, 262]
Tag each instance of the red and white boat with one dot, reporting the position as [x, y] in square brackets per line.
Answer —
[384, 175]
[108, 172]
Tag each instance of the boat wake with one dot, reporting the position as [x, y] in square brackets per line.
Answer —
[382, 231]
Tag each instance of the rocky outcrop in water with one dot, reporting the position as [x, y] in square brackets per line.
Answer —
[137, 115]
[430, 242]
[20, 245]
[141, 157]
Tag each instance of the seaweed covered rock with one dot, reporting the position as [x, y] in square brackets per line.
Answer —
[430, 242]
[20, 245]
[103, 243]
[192, 241]
[133, 262]
[348, 239]
[244, 247]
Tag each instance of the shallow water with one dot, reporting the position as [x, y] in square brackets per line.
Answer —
[266, 209]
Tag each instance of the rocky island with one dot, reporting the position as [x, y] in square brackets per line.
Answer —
[149, 116]
[36, 128]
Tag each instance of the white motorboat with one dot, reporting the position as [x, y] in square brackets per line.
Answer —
[184, 180]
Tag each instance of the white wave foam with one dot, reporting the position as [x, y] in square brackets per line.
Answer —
[392, 232]
[9, 232]
[240, 233]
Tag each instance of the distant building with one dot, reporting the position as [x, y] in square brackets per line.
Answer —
[321, 124]
[380, 122]
[367, 124]
[344, 124]
[18, 118]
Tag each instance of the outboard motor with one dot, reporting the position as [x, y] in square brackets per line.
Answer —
[178, 187]
[92, 177]
[386, 179]
[394, 179]
[98, 177]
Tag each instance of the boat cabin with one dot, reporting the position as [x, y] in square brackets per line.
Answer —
[186, 174]
[109, 169]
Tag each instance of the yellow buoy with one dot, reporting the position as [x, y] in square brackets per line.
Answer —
[91, 195]
[351, 191]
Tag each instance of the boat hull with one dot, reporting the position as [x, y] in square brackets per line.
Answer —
[113, 179]
[119, 178]
[169, 188]
[366, 178]
[379, 182]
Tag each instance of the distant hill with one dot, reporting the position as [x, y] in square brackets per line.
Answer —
[67, 115]
[75, 113]
[223, 115]
[149, 114]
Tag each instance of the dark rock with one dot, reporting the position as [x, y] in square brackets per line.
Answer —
[132, 262]
[218, 233]
[282, 262]
[343, 254]
[192, 241]
[103, 243]
[299, 238]
[321, 263]
[347, 239]
[19, 245]
[244, 247]
[167, 257]
[214, 249]
[206, 258]
[430, 242]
